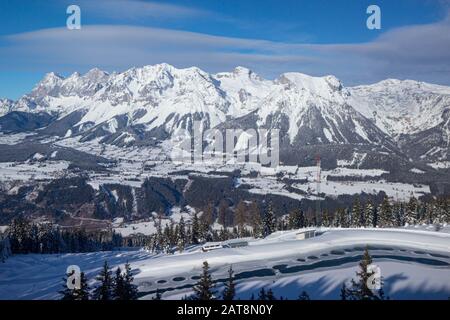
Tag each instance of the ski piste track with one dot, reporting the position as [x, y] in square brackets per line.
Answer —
[414, 263]
[281, 254]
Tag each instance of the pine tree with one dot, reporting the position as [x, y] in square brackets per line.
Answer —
[222, 214]
[195, 231]
[270, 296]
[355, 220]
[240, 217]
[385, 214]
[296, 219]
[342, 218]
[204, 289]
[268, 221]
[5, 248]
[229, 291]
[105, 290]
[130, 291]
[344, 292]
[182, 235]
[369, 217]
[411, 211]
[118, 288]
[360, 290]
[206, 221]
[262, 294]
[326, 218]
[81, 293]
[158, 295]
[304, 296]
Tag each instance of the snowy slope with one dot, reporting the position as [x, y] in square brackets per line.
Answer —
[413, 264]
[401, 107]
[6, 106]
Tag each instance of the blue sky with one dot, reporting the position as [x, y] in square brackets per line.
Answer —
[270, 37]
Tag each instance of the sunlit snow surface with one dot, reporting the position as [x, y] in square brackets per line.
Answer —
[132, 162]
[415, 264]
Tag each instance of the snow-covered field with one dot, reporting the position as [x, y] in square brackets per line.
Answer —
[135, 164]
[27, 171]
[414, 264]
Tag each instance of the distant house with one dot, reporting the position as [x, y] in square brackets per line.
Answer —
[305, 234]
[209, 246]
[236, 243]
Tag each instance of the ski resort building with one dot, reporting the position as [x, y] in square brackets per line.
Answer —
[305, 234]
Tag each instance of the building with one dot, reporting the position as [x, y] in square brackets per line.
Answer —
[305, 234]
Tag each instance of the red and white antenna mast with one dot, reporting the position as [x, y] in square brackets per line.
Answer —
[318, 181]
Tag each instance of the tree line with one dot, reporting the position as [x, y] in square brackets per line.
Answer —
[27, 237]
[250, 222]
[111, 287]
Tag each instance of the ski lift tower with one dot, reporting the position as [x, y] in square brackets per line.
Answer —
[318, 181]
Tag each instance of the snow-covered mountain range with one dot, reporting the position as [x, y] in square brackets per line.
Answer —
[153, 102]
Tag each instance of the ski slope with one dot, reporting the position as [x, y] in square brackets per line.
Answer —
[414, 264]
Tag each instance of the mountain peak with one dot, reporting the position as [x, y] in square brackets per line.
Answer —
[326, 86]
[51, 77]
[95, 73]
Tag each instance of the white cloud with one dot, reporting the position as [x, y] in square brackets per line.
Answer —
[138, 9]
[418, 52]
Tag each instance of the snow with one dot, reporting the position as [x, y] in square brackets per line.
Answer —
[341, 172]
[10, 171]
[400, 191]
[35, 276]
[440, 165]
[328, 134]
[38, 156]
[401, 106]
[415, 170]
[145, 228]
[11, 139]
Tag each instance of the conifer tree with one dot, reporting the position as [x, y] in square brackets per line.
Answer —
[105, 290]
[268, 221]
[230, 290]
[304, 296]
[182, 235]
[158, 295]
[5, 248]
[355, 214]
[369, 215]
[81, 293]
[262, 294]
[204, 289]
[342, 218]
[296, 219]
[360, 290]
[344, 292]
[411, 211]
[130, 291]
[240, 216]
[270, 296]
[385, 213]
[118, 287]
[195, 231]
